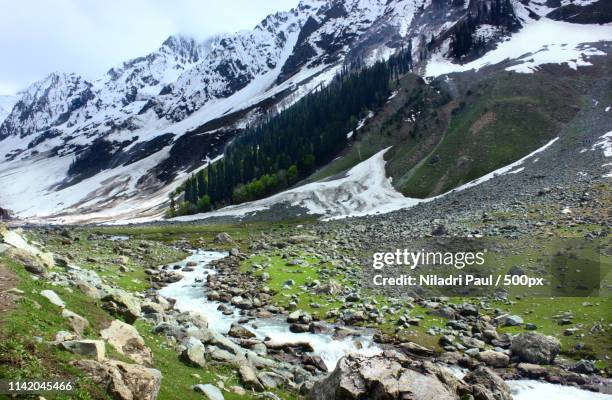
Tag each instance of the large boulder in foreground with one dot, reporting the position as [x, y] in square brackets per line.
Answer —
[382, 377]
[121, 380]
[535, 348]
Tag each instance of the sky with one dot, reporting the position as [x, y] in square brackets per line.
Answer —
[88, 37]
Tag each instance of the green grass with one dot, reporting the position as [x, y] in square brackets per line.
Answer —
[103, 256]
[23, 356]
[541, 310]
[26, 351]
[280, 272]
[501, 119]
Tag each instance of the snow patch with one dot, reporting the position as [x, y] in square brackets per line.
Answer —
[364, 190]
[539, 42]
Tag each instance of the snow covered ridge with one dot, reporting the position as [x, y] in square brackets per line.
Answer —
[144, 106]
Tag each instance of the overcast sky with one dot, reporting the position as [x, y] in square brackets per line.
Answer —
[90, 36]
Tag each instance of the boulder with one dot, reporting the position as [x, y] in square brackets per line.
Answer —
[417, 349]
[379, 377]
[280, 344]
[535, 348]
[487, 385]
[192, 318]
[53, 297]
[494, 358]
[271, 380]
[238, 331]
[88, 348]
[224, 238]
[121, 303]
[123, 381]
[532, 370]
[210, 391]
[249, 378]
[149, 307]
[77, 323]
[88, 290]
[194, 352]
[126, 340]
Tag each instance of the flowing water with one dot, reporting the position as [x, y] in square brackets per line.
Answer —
[525, 389]
[190, 295]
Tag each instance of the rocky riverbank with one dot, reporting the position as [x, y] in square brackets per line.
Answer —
[113, 319]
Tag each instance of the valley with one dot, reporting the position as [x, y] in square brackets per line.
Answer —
[226, 218]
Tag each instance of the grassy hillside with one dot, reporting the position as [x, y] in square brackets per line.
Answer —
[498, 121]
[450, 131]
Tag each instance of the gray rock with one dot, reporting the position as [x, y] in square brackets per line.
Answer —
[126, 381]
[239, 331]
[194, 352]
[487, 385]
[123, 304]
[210, 391]
[88, 348]
[127, 341]
[53, 297]
[224, 238]
[249, 378]
[535, 348]
[380, 377]
[494, 358]
[77, 323]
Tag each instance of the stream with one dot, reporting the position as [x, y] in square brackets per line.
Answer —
[190, 295]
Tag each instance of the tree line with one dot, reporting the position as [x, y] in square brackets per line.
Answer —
[290, 145]
[499, 13]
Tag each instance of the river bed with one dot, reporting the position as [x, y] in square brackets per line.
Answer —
[190, 295]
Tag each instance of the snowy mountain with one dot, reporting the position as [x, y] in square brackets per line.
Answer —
[6, 105]
[115, 147]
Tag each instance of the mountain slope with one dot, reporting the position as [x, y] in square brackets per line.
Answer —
[147, 123]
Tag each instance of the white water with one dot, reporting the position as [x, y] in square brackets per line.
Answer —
[535, 390]
[190, 295]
